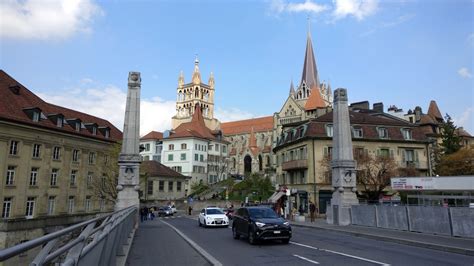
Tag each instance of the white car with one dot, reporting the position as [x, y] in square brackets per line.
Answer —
[173, 208]
[212, 216]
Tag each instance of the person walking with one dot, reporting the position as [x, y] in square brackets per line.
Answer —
[312, 210]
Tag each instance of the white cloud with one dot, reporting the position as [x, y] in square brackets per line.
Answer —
[232, 114]
[280, 6]
[464, 72]
[360, 9]
[465, 120]
[108, 102]
[399, 20]
[46, 19]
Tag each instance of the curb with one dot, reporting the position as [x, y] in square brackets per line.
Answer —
[458, 250]
[193, 244]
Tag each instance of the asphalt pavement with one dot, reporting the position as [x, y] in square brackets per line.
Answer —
[158, 243]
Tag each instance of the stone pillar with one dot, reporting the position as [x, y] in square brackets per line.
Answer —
[129, 158]
[342, 164]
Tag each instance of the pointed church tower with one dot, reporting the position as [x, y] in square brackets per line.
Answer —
[192, 94]
[292, 89]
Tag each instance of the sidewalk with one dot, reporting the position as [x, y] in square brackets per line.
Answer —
[444, 243]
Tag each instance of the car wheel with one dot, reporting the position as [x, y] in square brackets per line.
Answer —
[286, 241]
[234, 233]
[252, 239]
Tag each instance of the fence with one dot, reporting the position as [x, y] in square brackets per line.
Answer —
[453, 221]
[94, 242]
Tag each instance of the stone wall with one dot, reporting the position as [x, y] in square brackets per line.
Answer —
[462, 221]
[363, 215]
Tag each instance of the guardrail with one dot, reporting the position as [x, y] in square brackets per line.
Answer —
[99, 241]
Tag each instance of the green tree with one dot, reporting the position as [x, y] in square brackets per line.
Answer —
[457, 163]
[255, 185]
[450, 139]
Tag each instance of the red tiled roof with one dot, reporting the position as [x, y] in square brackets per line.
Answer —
[13, 105]
[156, 169]
[434, 112]
[315, 100]
[196, 128]
[260, 124]
[152, 135]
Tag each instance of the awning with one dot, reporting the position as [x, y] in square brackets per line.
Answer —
[276, 196]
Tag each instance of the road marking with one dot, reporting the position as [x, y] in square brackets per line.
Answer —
[306, 259]
[340, 253]
[193, 244]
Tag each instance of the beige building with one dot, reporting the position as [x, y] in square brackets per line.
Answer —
[51, 158]
[301, 150]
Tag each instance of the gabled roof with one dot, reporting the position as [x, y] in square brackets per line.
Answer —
[434, 112]
[315, 100]
[15, 98]
[261, 124]
[153, 135]
[156, 169]
[196, 128]
[310, 71]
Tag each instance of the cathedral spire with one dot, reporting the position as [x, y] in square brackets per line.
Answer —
[196, 74]
[292, 89]
[211, 80]
[181, 79]
[310, 72]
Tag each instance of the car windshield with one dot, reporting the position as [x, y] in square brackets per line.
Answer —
[214, 211]
[262, 213]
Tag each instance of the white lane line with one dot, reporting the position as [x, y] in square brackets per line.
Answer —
[306, 259]
[340, 253]
[198, 248]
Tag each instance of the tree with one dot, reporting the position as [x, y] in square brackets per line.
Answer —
[451, 142]
[457, 163]
[255, 184]
[105, 186]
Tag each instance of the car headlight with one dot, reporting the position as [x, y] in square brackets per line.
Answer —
[286, 223]
[259, 224]
[208, 218]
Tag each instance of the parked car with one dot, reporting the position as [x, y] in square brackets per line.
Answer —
[212, 216]
[260, 223]
[165, 211]
[173, 208]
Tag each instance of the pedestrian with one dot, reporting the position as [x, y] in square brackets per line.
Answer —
[190, 209]
[142, 214]
[152, 213]
[312, 210]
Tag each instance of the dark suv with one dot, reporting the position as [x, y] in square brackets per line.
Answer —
[260, 223]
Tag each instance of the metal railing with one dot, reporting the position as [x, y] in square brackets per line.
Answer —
[99, 241]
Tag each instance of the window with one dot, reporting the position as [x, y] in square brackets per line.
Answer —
[196, 157]
[195, 146]
[78, 126]
[102, 204]
[73, 177]
[51, 201]
[88, 204]
[329, 130]
[147, 147]
[170, 157]
[59, 122]
[94, 131]
[33, 176]
[10, 175]
[383, 132]
[201, 158]
[357, 132]
[359, 153]
[150, 187]
[217, 147]
[178, 186]
[7, 206]
[177, 168]
[36, 150]
[224, 148]
[170, 186]
[56, 152]
[409, 156]
[36, 116]
[406, 133]
[89, 178]
[54, 177]
[92, 157]
[183, 156]
[183, 146]
[107, 133]
[210, 147]
[171, 147]
[75, 155]
[30, 207]
[70, 204]
[328, 151]
[13, 147]
[384, 153]
[161, 186]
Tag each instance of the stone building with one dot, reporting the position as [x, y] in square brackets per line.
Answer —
[302, 147]
[51, 158]
[195, 93]
[159, 182]
[151, 146]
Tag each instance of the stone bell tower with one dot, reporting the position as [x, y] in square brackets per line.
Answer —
[343, 164]
[195, 93]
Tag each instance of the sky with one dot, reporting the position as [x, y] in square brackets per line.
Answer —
[78, 53]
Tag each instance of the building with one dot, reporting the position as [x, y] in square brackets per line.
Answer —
[151, 146]
[195, 93]
[51, 161]
[301, 150]
[158, 182]
[194, 150]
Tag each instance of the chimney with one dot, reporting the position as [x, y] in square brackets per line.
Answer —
[359, 106]
[418, 113]
[378, 107]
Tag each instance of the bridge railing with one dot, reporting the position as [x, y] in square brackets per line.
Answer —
[94, 242]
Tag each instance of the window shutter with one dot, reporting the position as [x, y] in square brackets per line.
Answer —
[416, 156]
[403, 155]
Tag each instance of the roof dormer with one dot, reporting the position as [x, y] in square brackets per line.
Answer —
[57, 119]
[92, 128]
[105, 131]
[75, 123]
[34, 113]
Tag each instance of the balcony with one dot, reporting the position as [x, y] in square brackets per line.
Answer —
[296, 164]
[417, 165]
[289, 120]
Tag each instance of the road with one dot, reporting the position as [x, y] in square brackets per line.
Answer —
[308, 246]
